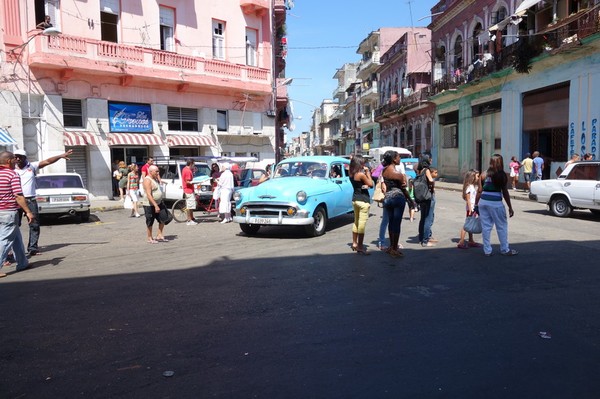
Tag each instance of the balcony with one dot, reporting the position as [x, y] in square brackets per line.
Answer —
[368, 66]
[338, 92]
[366, 119]
[369, 92]
[83, 55]
[257, 7]
[399, 106]
[562, 37]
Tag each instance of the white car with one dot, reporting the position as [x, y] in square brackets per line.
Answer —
[577, 187]
[62, 193]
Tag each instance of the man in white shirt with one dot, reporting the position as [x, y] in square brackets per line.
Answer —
[27, 172]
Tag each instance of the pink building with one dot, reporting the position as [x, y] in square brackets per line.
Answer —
[125, 80]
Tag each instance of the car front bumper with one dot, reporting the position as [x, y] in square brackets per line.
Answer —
[275, 215]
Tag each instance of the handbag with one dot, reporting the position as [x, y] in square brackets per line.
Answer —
[165, 216]
[128, 203]
[472, 225]
[378, 194]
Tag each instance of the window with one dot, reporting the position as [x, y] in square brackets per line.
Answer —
[222, 124]
[72, 113]
[167, 22]
[585, 172]
[109, 20]
[251, 47]
[257, 122]
[183, 119]
[450, 136]
[218, 40]
[50, 8]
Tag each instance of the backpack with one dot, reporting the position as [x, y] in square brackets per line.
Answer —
[421, 188]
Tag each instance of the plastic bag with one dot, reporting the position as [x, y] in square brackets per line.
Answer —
[128, 203]
[472, 225]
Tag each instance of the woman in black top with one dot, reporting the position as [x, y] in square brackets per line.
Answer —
[360, 177]
[395, 199]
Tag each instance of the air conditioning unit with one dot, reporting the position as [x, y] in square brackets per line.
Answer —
[271, 113]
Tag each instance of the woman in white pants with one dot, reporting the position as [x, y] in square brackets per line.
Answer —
[494, 187]
[225, 187]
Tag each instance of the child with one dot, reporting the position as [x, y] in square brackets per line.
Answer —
[470, 187]
[514, 171]
[415, 208]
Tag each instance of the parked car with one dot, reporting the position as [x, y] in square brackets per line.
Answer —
[577, 187]
[170, 175]
[62, 194]
[300, 193]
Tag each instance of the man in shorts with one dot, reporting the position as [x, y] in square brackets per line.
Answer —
[538, 166]
[527, 164]
[187, 175]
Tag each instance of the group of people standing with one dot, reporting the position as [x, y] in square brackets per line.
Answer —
[395, 186]
[483, 193]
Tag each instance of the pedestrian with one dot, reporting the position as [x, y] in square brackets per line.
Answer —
[27, 172]
[267, 174]
[383, 226]
[149, 162]
[538, 166]
[115, 178]
[494, 187]
[469, 194]
[187, 176]
[588, 157]
[396, 196]
[574, 158]
[12, 201]
[360, 177]
[427, 207]
[153, 204]
[133, 181]
[527, 164]
[225, 187]
[514, 166]
[122, 177]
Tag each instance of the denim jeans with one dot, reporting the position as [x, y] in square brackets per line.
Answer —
[383, 226]
[395, 209]
[426, 221]
[10, 237]
[34, 228]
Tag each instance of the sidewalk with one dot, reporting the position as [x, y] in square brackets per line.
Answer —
[99, 205]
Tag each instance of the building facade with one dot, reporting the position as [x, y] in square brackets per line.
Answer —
[128, 80]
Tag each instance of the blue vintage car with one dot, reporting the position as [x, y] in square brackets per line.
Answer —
[303, 191]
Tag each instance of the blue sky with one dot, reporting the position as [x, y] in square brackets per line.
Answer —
[323, 35]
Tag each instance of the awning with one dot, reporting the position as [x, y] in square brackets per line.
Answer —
[524, 6]
[134, 139]
[193, 140]
[6, 138]
[74, 139]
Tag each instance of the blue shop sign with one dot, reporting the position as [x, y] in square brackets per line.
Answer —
[127, 117]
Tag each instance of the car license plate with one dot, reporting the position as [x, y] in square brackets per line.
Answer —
[260, 221]
[60, 199]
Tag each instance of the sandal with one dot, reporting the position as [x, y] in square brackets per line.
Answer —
[475, 245]
[153, 241]
[362, 252]
[161, 239]
[395, 253]
[463, 246]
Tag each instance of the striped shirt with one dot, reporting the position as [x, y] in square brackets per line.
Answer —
[10, 187]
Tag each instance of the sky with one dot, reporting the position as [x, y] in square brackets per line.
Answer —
[323, 35]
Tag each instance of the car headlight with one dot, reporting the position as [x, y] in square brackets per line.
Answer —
[301, 197]
[237, 196]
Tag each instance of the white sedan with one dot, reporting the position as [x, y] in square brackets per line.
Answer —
[62, 193]
[577, 187]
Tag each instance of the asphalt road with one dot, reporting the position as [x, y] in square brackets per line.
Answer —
[103, 314]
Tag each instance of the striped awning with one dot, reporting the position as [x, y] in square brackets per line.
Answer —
[6, 138]
[74, 139]
[134, 139]
[175, 140]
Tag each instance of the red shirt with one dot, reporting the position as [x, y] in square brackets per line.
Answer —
[187, 175]
[10, 187]
[145, 170]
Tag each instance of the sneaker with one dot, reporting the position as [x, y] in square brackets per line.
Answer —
[137, 215]
[427, 244]
[224, 221]
[511, 252]
[191, 223]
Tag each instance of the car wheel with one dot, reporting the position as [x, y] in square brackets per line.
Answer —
[320, 224]
[560, 206]
[250, 229]
[179, 211]
[84, 216]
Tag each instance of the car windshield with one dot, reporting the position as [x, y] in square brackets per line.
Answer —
[59, 182]
[200, 170]
[311, 169]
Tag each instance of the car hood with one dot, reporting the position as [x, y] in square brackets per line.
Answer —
[286, 188]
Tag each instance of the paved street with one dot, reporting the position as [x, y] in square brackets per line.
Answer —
[104, 314]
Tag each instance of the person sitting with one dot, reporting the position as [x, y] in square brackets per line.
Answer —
[335, 172]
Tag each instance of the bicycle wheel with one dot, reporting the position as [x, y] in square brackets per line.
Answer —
[179, 211]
